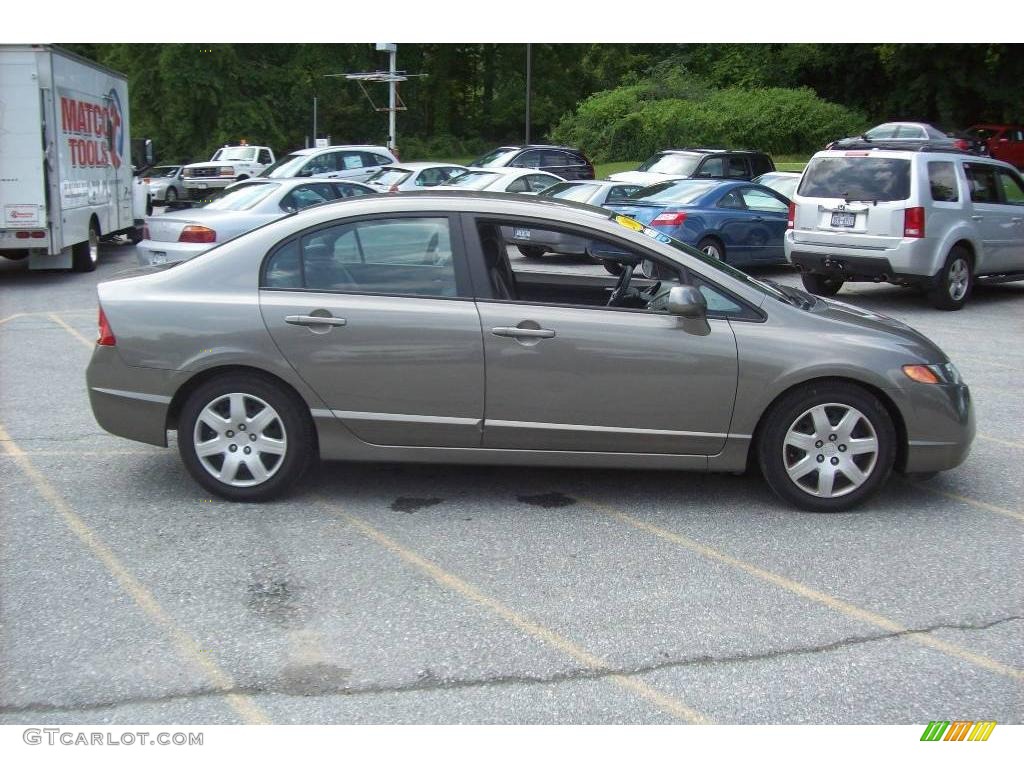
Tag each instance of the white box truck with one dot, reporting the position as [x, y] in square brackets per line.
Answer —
[65, 158]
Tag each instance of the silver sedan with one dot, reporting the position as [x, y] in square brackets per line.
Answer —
[392, 328]
[527, 181]
[181, 235]
[165, 184]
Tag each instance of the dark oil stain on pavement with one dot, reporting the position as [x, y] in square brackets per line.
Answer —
[548, 500]
[273, 598]
[410, 504]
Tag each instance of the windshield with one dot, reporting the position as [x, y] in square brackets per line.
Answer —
[242, 197]
[235, 153]
[706, 260]
[875, 179]
[581, 193]
[389, 176]
[473, 180]
[495, 158]
[285, 168]
[678, 192]
[672, 163]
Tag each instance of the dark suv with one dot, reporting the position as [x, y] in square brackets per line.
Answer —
[569, 163]
[668, 164]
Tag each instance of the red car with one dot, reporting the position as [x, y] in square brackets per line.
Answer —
[1004, 142]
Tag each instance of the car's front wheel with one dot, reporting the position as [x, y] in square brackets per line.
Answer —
[245, 438]
[827, 446]
[171, 196]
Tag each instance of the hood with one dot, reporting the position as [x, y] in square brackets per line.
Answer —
[214, 164]
[643, 177]
[858, 318]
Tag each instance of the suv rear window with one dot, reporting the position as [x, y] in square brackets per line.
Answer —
[876, 179]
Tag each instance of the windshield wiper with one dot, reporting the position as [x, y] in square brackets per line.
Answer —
[793, 296]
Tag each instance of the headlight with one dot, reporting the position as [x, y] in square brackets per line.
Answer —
[942, 373]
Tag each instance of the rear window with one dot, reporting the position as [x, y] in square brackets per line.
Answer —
[578, 192]
[388, 176]
[875, 179]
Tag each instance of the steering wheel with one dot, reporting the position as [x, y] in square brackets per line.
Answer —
[622, 286]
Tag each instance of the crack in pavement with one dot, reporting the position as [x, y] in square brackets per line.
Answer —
[428, 682]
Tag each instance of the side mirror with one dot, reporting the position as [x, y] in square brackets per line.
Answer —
[687, 301]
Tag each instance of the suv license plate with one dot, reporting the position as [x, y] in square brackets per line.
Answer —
[844, 219]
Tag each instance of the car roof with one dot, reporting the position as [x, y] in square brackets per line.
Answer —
[778, 173]
[419, 165]
[334, 147]
[597, 182]
[538, 146]
[707, 151]
[295, 181]
[908, 152]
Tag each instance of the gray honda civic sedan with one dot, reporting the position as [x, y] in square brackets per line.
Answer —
[394, 329]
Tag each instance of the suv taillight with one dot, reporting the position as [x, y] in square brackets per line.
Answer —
[791, 218]
[106, 337]
[193, 233]
[913, 222]
[962, 144]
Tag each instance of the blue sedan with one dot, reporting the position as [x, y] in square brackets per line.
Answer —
[735, 221]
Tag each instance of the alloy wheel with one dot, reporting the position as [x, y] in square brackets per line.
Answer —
[958, 279]
[830, 450]
[240, 439]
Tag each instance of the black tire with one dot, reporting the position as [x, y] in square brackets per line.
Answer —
[713, 247]
[84, 256]
[171, 196]
[16, 255]
[820, 285]
[135, 235]
[294, 424]
[953, 285]
[774, 453]
[532, 251]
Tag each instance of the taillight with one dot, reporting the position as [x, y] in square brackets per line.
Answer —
[669, 219]
[106, 338]
[962, 144]
[791, 217]
[913, 222]
[145, 231]
[193, 233]
[25, 234]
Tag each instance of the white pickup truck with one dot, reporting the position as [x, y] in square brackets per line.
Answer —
[228, 165]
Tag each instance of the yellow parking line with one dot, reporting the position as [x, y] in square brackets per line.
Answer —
[1000, 441]
[53, 316]
[798, 588]
[973, 502]
[246, 708]
[450, 581]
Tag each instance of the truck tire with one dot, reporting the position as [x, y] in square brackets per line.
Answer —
[85, 255]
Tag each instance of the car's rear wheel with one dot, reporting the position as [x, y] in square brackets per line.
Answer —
[953, 284]
[820, 285]
[827, 446]
[713, 247]
[532, 251]
[245, 438]
[84, 256]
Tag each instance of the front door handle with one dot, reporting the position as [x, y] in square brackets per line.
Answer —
[977, 218]
[523, 333]
[308, 320]
[758, 218]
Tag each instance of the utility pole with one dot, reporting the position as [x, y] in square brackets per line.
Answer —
[392, 49]
[528, 73]
[314, 121]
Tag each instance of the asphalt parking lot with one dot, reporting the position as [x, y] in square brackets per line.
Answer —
[411, 594]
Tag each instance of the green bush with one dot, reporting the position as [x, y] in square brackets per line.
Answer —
[442, 147]
[665, 111]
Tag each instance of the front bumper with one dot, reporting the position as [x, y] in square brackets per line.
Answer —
[940, 427]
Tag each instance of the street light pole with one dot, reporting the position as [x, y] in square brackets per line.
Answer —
[528, 74]
[314, 121]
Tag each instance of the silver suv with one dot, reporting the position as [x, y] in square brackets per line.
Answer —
[920, 216]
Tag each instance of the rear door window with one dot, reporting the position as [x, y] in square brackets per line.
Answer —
[737, 168]
[1013, 192]
[712, 167]
[874, 179]
[983, 182]
[307, 195]
[530, 159]
[351, 160]
[942, 182]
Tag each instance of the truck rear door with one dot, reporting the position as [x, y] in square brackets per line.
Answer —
[23, 182]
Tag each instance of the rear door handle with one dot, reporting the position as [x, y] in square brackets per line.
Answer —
[1017, 219]
[523, 333]
[977, 218]
[758, 218]
[313, 320]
